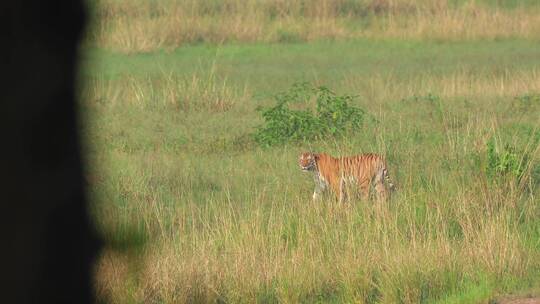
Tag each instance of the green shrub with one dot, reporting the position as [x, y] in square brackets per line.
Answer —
[288, 36]
[333, 117]
[525, 103]
[504, 162]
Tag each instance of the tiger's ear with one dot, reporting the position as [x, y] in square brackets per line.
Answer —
[316, 156]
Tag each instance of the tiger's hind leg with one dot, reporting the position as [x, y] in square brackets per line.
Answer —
[342, 196]
[364, 190]
[380, 188]
[382, 194]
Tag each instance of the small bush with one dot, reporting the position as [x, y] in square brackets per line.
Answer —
[504, 162]
[288, 36]
[525, 103]
[334, 116]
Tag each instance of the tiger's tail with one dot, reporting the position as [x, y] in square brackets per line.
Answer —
[387, 179]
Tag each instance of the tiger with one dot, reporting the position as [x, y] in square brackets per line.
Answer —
[336, 173]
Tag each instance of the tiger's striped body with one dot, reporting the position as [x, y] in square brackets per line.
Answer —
[339, 173]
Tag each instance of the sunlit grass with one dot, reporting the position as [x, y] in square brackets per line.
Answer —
[143, 26]
[194, 211]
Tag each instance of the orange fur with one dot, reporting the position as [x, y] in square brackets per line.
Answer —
[336, 173]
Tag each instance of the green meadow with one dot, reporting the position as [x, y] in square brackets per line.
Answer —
[193, 210]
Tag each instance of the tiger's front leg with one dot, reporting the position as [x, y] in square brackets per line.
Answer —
[316, 194]
[319, 190]
[320, 187]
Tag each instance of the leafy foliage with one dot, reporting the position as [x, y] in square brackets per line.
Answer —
[505, 162]
[333, 117]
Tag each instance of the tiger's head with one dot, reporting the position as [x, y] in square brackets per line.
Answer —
[308, 161]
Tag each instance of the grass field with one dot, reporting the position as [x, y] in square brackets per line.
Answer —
[194, 211]
[144, 26]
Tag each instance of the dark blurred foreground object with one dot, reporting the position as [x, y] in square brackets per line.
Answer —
[48, 243]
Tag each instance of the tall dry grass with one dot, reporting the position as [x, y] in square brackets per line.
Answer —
[140, 26]
[463, 83]
[278, 246]
[185, 94]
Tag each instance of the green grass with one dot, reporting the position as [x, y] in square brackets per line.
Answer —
[196, 212]
[506, 4]
[272, 67]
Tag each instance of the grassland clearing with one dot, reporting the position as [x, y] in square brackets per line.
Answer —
[195, 211]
